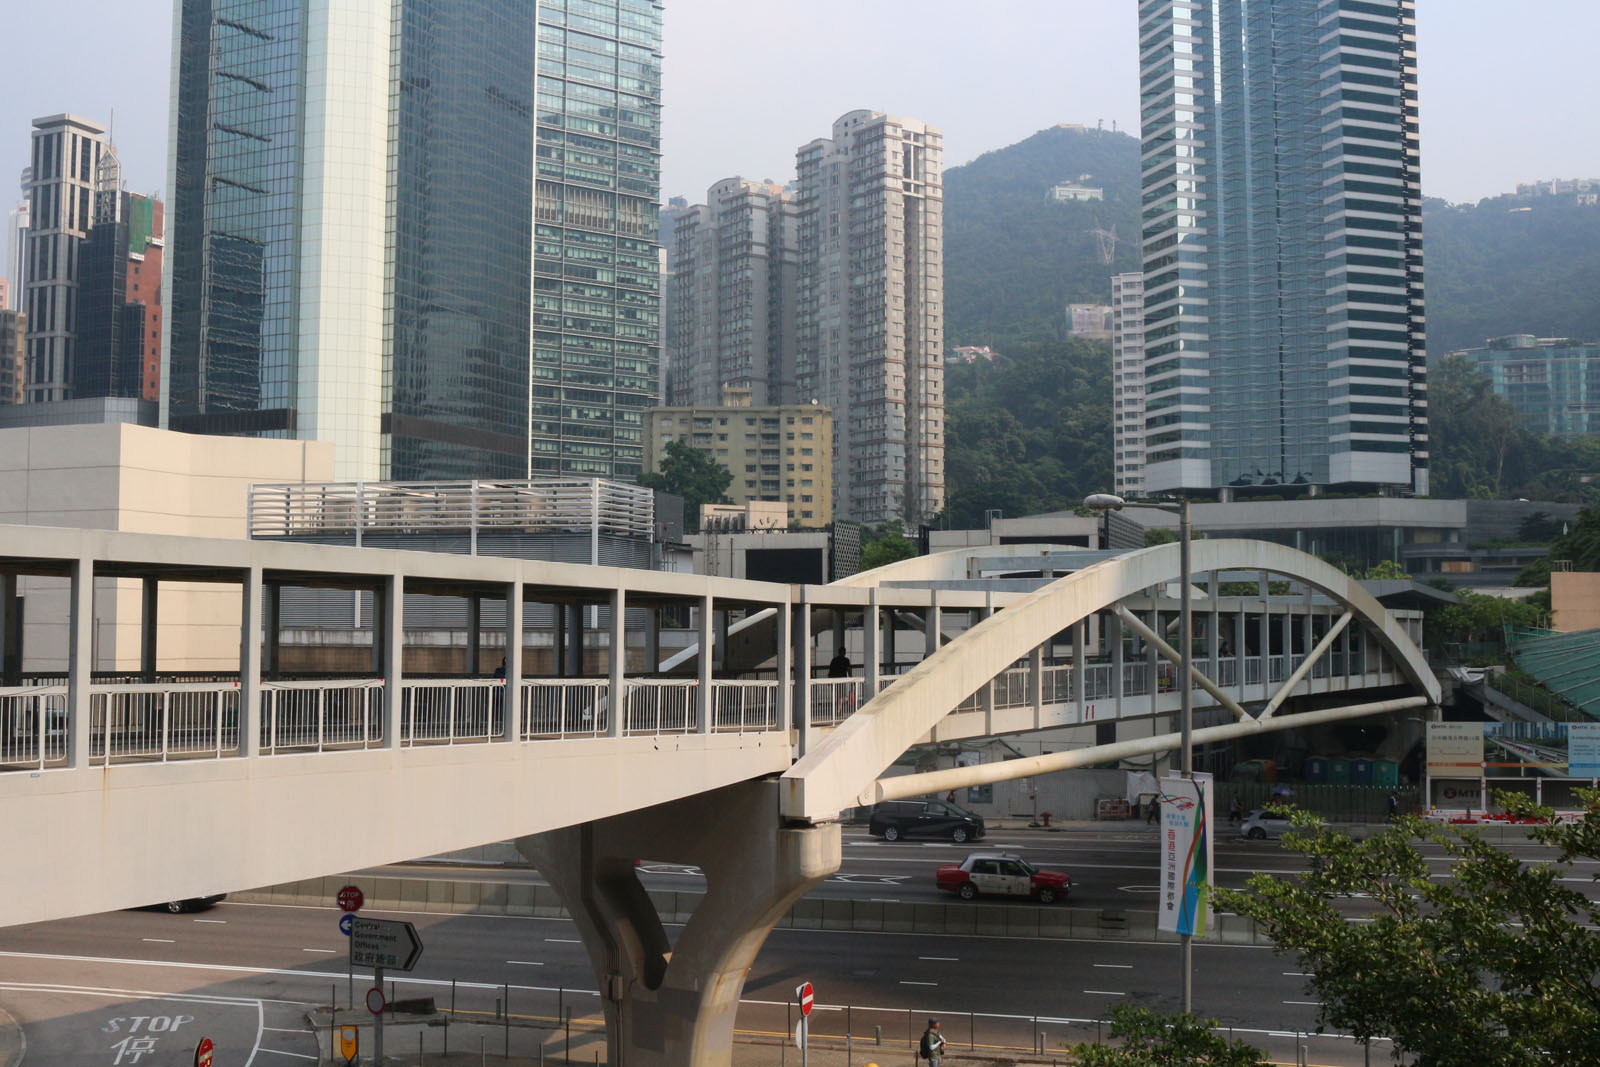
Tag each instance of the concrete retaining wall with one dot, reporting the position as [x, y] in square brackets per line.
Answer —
[811, 913]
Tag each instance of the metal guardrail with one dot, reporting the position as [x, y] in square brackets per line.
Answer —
[353, 507]
[146, 723]
[318, 716]
[560, 708]
[744, 707]
[33, 726]
[661, 707]
[451, 711]
[833, 700]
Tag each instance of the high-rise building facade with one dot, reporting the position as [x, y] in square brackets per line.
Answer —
[1127, 383]
[17, 244]
[65, 174]
[1553, 382]
[734, 268]
[870, 331]
[13, 337]
[119, 294]
[362, 253]
[1282, 245]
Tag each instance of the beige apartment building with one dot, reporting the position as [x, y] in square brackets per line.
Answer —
[781, 453]
[870, 328]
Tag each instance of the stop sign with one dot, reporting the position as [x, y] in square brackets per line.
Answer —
[351, 898]
[202, 1053]
[806, 996]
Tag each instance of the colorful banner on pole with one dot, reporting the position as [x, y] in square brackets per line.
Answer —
[1186, 857]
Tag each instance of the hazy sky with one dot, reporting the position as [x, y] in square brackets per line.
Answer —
[1506, 88]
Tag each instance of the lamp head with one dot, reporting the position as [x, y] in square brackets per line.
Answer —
[1103, 502]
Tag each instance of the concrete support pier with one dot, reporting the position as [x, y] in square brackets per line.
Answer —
[666, 1004]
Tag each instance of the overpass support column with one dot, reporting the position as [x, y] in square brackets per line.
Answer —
[871, 650]
[800, 657]
[706, 636]
[511, 701]
[618, 659]
[931, 625]
[673, 1004]
[80, 660]
[1118, 675]
[392, 631]
[149, 621]
[652, 639]
[474, 633]
[785, 660]
[250, 664]
[11, 626]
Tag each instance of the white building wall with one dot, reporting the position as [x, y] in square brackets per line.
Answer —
[1127, 383]
[344, 230]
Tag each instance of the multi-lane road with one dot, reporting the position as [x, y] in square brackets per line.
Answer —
[90, 990]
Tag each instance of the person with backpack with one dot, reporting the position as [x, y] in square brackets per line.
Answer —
[933, 1044]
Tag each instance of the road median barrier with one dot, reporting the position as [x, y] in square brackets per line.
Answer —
[516, 898]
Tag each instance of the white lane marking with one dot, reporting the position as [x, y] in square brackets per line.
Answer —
[161, 940]
[526, 963]
[941, 959]
[1296, 974]
[564, 940]
[146, 994]
[281, 1052]
[1104, 993]
[330, 951]
[1118, 966]
[218, 922]
[882, 900]
[904, 982]
[287, 1030]
[261, 1026]
[1307, 1003]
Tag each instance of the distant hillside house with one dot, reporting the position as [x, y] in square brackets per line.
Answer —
[1558, 187]
[972, 354]
[1072, 191]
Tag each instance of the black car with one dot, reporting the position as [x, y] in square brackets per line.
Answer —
[894, 819]
[178, 907]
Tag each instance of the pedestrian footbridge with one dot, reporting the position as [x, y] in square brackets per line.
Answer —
[118, 788]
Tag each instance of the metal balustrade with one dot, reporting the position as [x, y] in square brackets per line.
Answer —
[450, 711]
[1135, 679]
[145, 723]
[557, 708]
[1277, 669]
[1099, 681]
[33, 725]
[1056, 681]
[1011, 688]
[833, 700]
[658, 706]
[744, 707]
[1252, 670]
[315, 716]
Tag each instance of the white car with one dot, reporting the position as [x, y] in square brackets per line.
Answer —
[1261, 824]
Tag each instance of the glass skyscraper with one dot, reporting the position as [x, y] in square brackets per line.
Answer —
[354, 252]
[1282, 245]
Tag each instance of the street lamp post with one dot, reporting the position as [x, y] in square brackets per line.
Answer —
[1106, 502]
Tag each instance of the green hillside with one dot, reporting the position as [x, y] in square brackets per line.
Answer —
[1507, 266]
[1012, 259]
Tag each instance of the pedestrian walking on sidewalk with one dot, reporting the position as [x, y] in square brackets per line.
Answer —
[1235, 810]
[933, 1044]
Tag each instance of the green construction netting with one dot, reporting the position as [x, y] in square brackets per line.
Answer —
[1564, 663]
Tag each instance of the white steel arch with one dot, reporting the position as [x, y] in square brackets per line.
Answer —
[842, 771]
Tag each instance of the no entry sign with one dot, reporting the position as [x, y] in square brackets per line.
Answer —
[807, 996]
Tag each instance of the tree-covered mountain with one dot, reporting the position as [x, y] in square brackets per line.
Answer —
[1510, 265]
[1032, 431]
[1012, 257]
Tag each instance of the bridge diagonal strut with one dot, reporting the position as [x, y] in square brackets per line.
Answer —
[1136, 624]
[1310, 661]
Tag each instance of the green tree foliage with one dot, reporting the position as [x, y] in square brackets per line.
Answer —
[1495, 270]
[1580, 544]
[1030, 432]
[1479, 617]
[1492, 965]
[1384, 570]
[1480, 448]
[690, 473]
[1159, 535]
[1013, 259]
[1149, 1039]
[884, 544]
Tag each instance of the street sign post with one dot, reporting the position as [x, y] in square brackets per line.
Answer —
[203, 1052]
[351, 898]
[349, 1043]
[807, 996]
[384, 943]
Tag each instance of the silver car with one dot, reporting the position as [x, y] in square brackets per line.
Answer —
[1261, 824]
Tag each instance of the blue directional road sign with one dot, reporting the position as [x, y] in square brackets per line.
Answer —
[345, 922]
